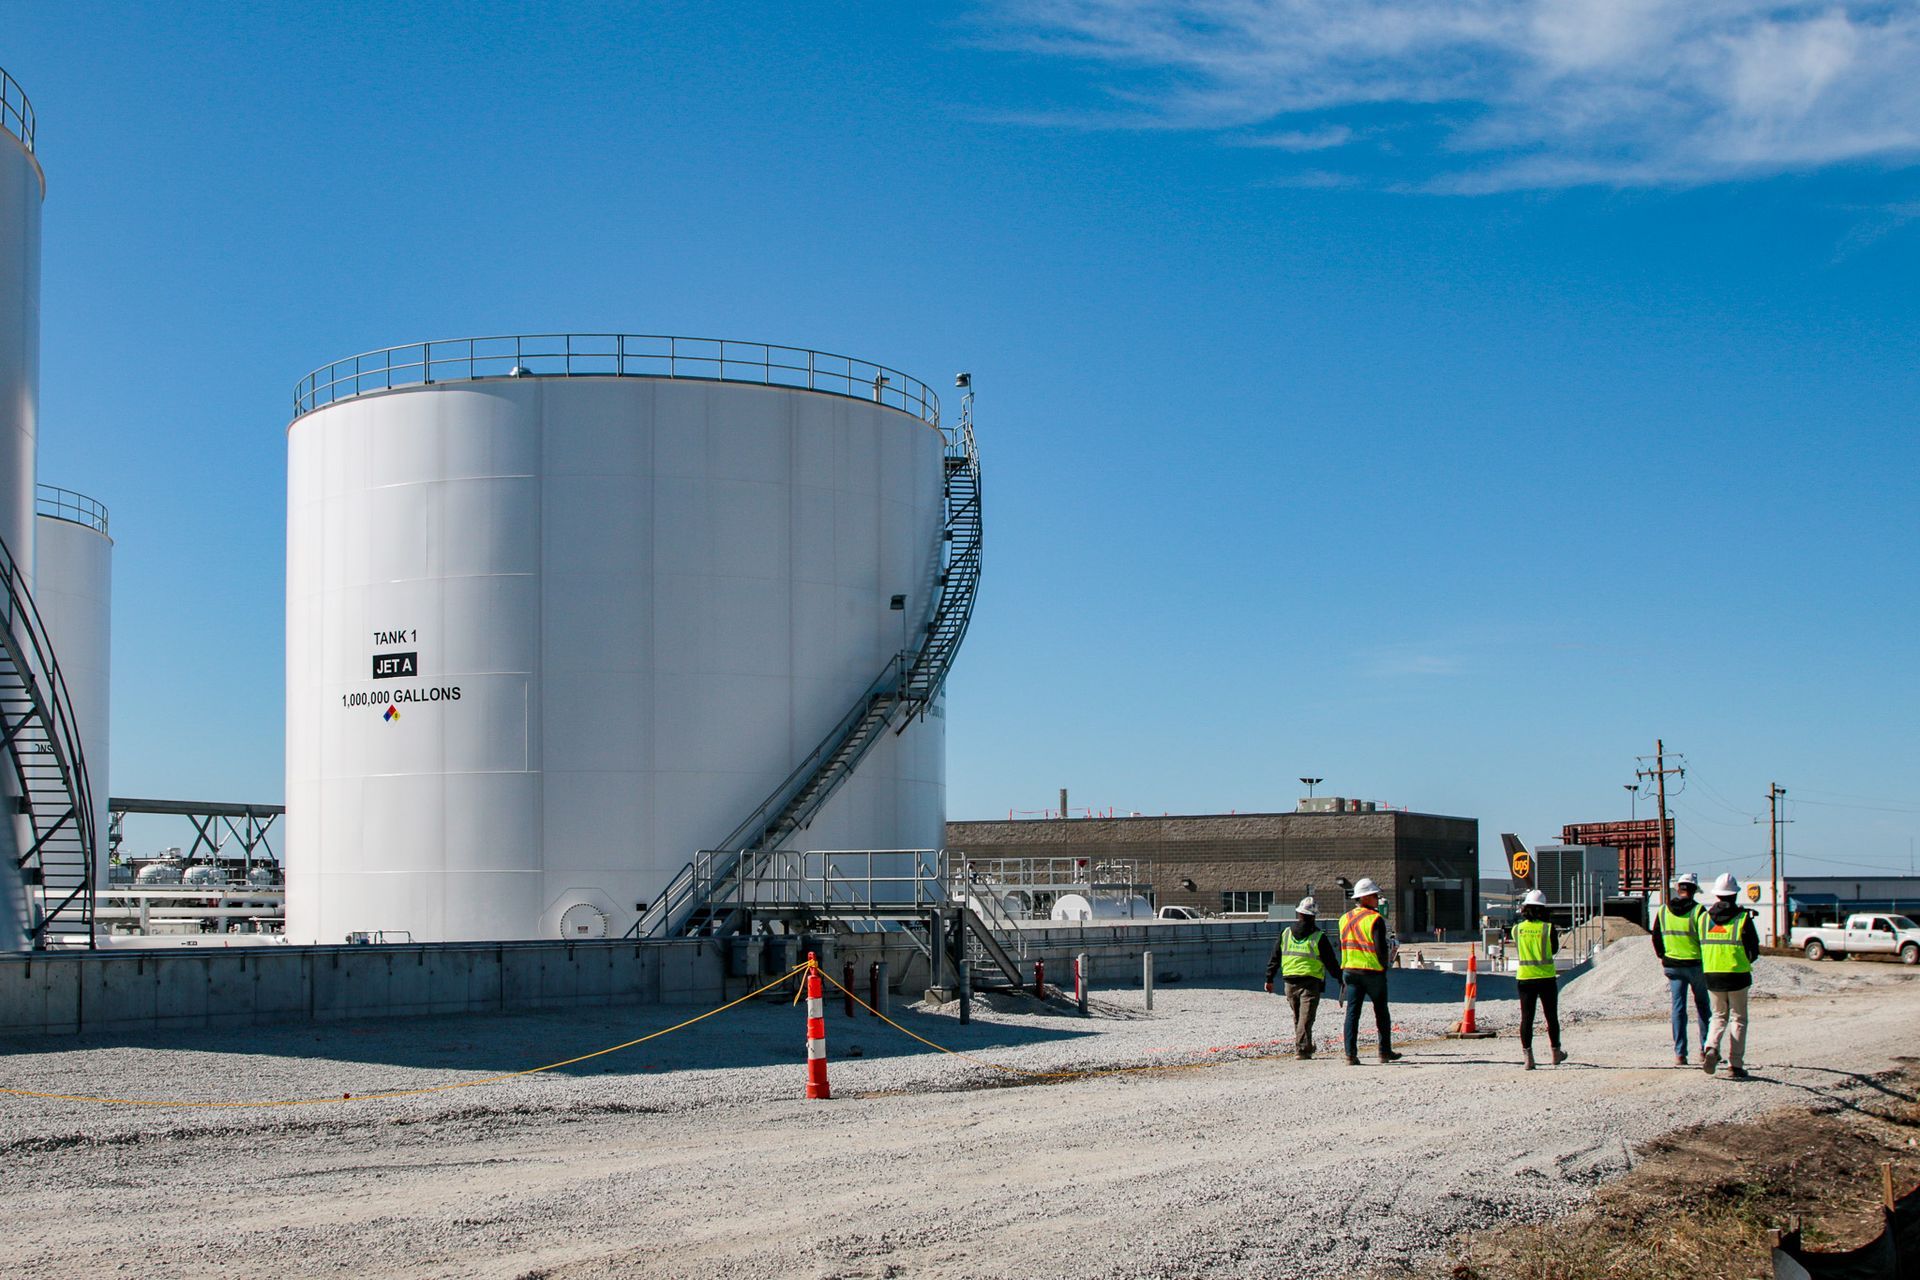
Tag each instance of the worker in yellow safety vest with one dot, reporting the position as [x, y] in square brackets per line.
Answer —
[1728, 947]
[1534, 941]
[1363, 961]
[1676, 940]
[1304, 957]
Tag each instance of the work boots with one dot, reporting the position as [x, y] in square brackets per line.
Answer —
[1527, 1054]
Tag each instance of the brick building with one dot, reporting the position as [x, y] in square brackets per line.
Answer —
[1253, 861]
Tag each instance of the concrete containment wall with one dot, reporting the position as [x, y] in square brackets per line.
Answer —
[129, 991]
[62, 993]
[1196, 952]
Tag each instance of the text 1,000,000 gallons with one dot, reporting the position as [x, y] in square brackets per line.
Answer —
[381, 697]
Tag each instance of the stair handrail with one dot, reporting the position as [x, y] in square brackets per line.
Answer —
[46, 686]
[746, 835]
[910, 679]
[951, 611]
[978, 893]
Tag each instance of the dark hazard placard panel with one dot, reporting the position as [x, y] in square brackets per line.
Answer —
[392, 666]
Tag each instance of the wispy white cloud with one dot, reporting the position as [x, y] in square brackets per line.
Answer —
[1324, 138]
[1875, 224]
[1312, 180]
[1520, 93]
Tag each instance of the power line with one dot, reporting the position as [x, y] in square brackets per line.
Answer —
[1746, 820]
[1871, 808]
[1710, 844]
[1833, 862]
[1870, 799]
[1660, 771]
[1721, 800]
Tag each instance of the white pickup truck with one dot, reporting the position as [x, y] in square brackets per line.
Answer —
[1862, 935]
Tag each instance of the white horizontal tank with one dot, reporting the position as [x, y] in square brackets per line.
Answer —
[1080, 908]
[74, 594]
[569, 611]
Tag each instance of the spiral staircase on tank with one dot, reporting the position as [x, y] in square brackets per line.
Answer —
[47, 790]
[711, 896]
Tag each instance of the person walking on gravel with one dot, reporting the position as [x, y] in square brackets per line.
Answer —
[1728, 948]
[1676, 940]
[1303, 957]
[1535, 940]
[1363, 963]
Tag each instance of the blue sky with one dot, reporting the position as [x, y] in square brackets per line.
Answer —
[1444, 400]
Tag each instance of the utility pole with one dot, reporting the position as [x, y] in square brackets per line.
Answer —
[1774, 792]
[1659, 773]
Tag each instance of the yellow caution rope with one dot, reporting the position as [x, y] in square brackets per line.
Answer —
[1076, 1074]
[404, 1093]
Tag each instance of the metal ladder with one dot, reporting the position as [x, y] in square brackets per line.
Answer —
[706, 897]
[49, 774]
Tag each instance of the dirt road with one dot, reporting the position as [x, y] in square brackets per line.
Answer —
[1242, 1166]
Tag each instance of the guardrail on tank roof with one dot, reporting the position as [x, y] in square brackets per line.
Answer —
[65, 504]
[16, 113]
[614, 355]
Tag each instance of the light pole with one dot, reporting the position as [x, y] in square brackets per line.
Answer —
[1633, 799]
[1310, 784]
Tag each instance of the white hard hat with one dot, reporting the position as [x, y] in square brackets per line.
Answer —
[1307, 907]
[1726, 886]
[1687, 880]
[1366, 889]
[1534, 898]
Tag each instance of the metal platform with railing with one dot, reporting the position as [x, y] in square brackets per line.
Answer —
[16, 113]
[65, 504]
[614, 355]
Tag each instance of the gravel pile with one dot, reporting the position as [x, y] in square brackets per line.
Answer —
[1625, 981]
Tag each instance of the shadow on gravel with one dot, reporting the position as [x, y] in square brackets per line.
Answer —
[1831, 1101]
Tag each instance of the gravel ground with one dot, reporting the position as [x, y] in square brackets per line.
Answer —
[654, 1161]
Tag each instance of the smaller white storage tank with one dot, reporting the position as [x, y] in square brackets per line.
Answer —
[1079, 908]
[74, 594]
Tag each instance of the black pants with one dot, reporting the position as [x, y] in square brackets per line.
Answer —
[1544, 992]
[1366, 984]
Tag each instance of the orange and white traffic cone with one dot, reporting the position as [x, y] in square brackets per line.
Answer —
[816, 1033]
[1466, 1029]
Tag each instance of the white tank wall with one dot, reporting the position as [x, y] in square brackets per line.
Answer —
[653, 598]
[21, 191]
[75, 595]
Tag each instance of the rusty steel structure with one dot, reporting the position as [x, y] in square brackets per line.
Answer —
[1641, 869]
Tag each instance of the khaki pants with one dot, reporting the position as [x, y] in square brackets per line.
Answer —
[1729, 1010]
[1305, 1002]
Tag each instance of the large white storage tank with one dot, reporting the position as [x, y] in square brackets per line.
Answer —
[73, 555]
[563, 611]
[22, 188]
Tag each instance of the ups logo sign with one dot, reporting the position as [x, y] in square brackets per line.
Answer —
[1522, 863]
